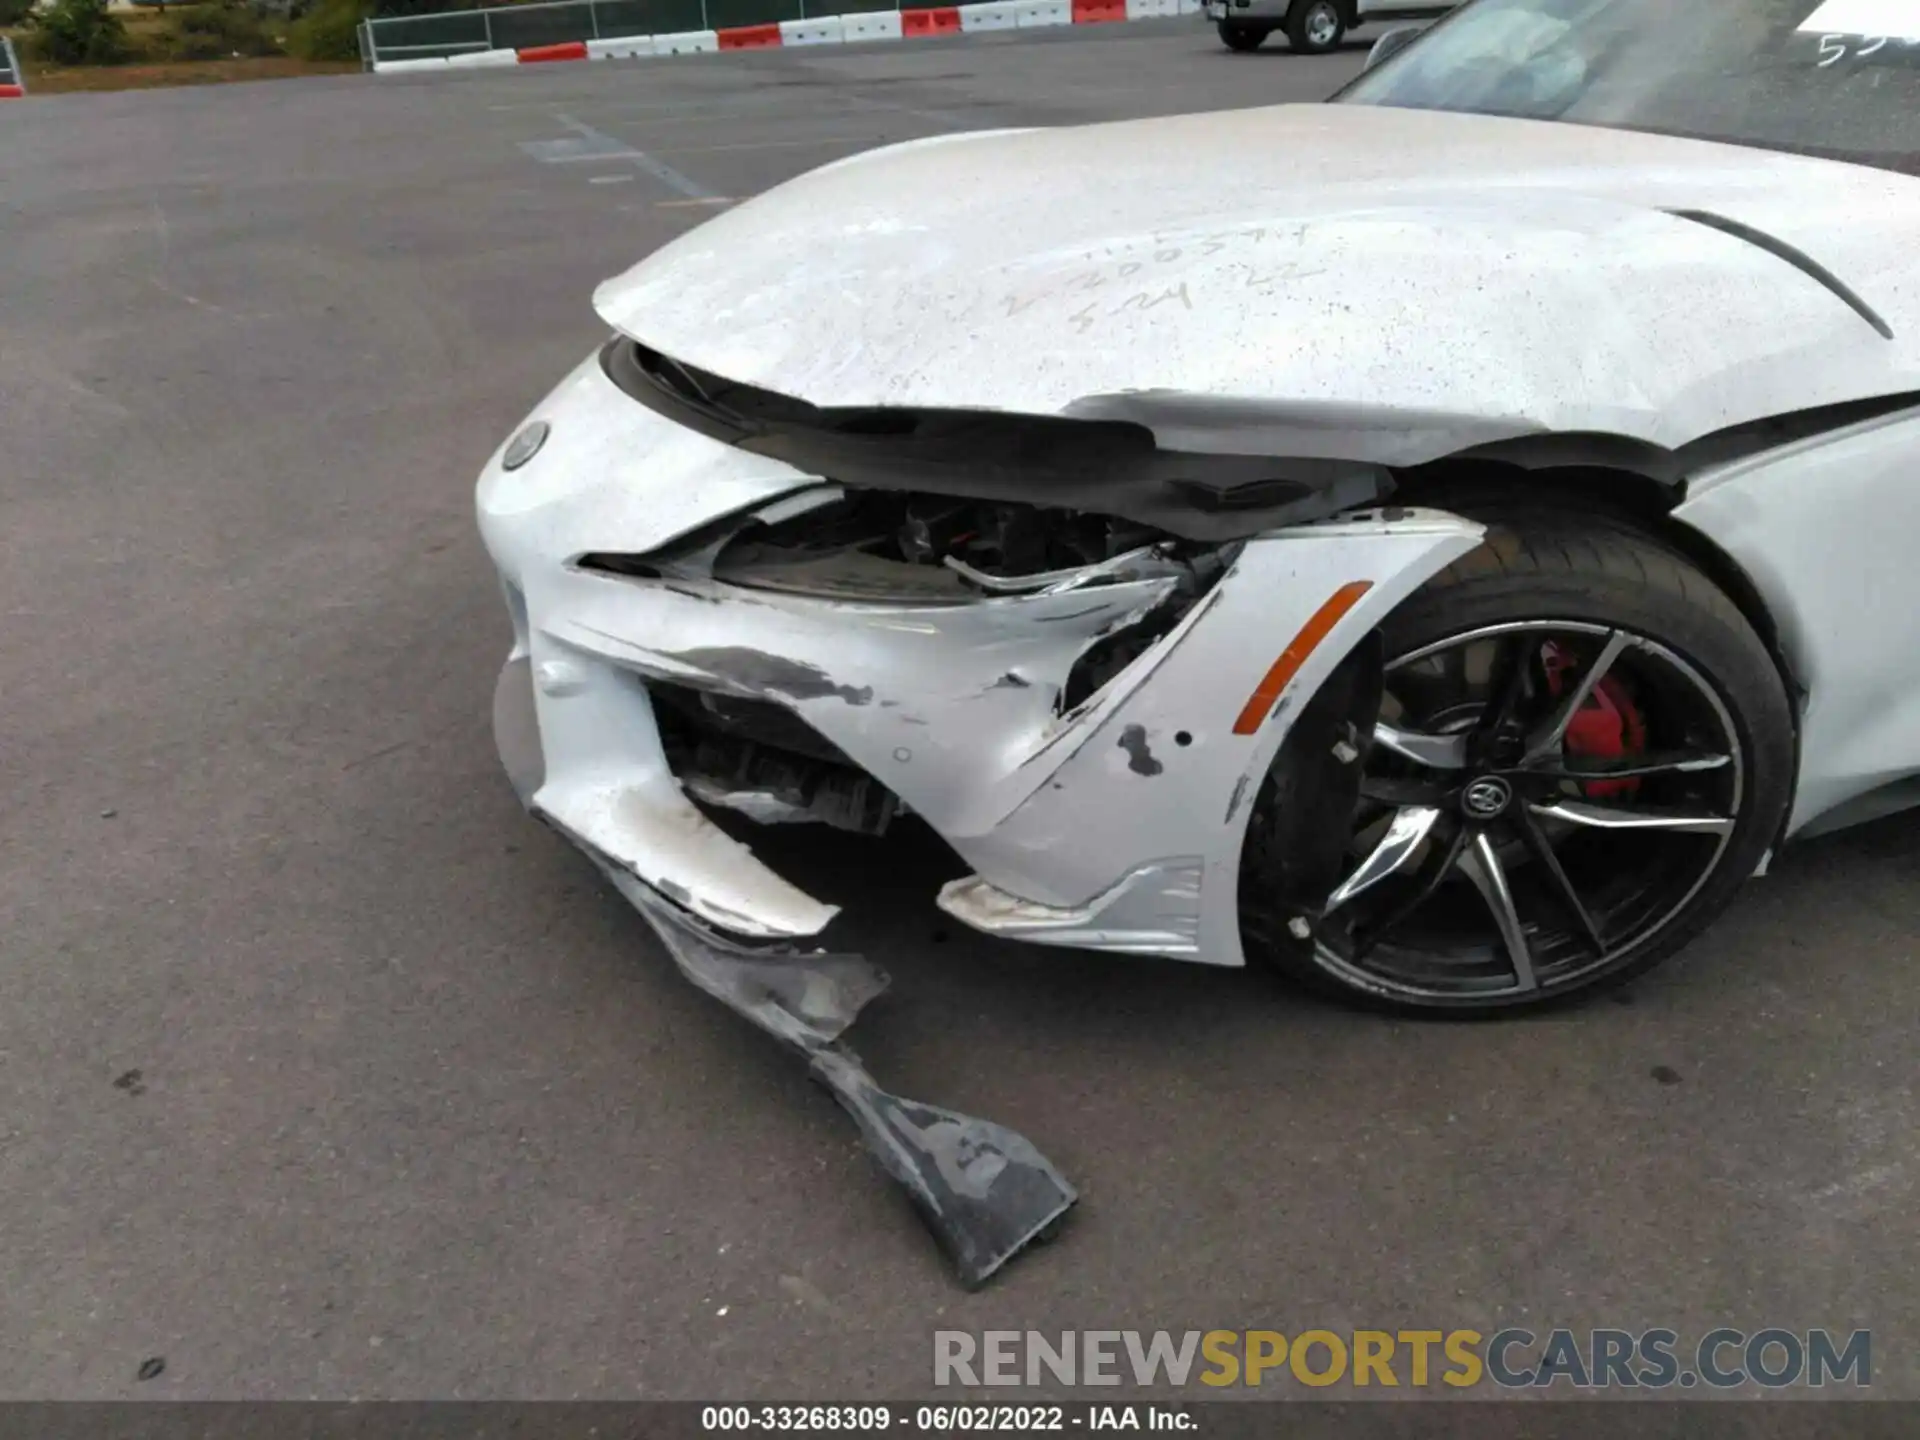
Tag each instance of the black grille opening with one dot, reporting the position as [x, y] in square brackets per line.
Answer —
[686, 716]
[752, 755]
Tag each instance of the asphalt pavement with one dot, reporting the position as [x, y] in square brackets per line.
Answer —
[326, 1072]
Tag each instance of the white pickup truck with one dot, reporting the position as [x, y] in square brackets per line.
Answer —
[1313, 27]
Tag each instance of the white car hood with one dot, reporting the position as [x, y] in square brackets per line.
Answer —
[1306, 262]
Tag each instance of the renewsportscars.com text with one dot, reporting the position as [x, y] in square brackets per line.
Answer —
[1510, 1359]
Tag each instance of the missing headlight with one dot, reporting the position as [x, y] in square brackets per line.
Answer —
[885, 546]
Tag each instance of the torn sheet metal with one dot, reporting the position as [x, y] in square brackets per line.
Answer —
[983, 1190]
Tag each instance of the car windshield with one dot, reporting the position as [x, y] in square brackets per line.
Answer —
[1835, 78]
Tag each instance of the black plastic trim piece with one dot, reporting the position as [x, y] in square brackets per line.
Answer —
[1794, 256]
[1113, 467]
[984, 1191]
[1105, 467]
[1671, 469]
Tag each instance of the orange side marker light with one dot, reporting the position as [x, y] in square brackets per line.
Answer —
[1319, 625]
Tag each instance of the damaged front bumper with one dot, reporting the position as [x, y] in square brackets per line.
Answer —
[1104, 815]
[983, 1190]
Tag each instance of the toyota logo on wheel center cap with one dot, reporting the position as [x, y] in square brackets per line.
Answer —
[1486, 797]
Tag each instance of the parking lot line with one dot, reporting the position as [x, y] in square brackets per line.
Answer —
[587, 143]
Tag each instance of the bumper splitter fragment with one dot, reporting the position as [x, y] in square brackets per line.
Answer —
[983, 1190]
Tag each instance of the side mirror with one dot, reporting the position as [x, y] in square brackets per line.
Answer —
[1391, 43]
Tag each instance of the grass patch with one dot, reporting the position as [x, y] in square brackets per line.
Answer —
[188, 44]
[67, 80]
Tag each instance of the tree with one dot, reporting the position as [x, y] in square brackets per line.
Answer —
[80, 32]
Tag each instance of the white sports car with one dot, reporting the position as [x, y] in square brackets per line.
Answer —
[1438, 544]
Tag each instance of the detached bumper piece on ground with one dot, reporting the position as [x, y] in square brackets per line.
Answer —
[984, 1190]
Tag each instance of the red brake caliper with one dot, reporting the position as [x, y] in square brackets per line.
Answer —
[1608, 726]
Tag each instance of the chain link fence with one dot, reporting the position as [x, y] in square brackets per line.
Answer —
[519, 27]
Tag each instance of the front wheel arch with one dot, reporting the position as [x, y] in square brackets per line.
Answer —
[1624, 497]
[1636, 499]
[1551, 569]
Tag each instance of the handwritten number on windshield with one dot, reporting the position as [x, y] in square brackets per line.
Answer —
[1833, 48]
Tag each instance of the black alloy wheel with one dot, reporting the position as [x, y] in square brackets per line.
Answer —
[1581, 750]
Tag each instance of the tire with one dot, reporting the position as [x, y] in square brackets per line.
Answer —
[1316, 27]
[1242, 38]
[1556, 569]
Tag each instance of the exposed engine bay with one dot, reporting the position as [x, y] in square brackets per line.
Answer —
[984, 543]
[757, 757]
